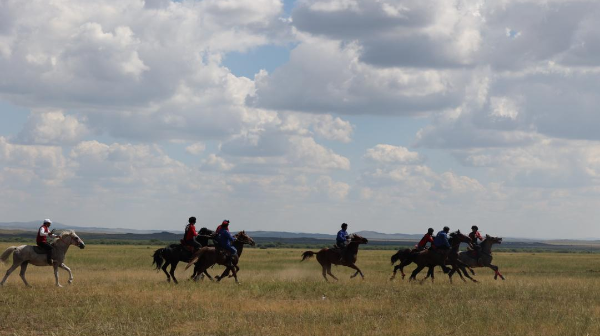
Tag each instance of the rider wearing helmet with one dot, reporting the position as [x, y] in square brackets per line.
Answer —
[189, 237]
[427, 238]
[474, 235]
[42, 239]
[341, 241]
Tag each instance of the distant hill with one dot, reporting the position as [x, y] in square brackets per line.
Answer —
[373, 235]
[33, 226]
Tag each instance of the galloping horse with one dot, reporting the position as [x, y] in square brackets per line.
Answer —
[174, 253]
[408, 256]
[208, 256]
[27, 254]
[455, 239]
[485, 256]
[431, 258]
[326, 257]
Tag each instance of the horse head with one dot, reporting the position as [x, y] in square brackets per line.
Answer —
[460, 236]
[243, 238]
[205, 232]
[354, 238]
[69, 237]
[493, 240]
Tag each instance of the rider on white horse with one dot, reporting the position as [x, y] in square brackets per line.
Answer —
[42, 239]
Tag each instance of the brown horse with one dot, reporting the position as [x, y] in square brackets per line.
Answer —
[326, 257]
[435, 257]
[485, 257]
[208, 256]
[455, 239]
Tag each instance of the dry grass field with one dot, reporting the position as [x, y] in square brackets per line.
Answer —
[116, 292]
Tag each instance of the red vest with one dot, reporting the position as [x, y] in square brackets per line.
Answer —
[40, 238]
[190, 232]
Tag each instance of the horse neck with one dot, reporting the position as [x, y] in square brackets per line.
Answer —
[455, 244]
[486, 246]
[239, 246]
[353, 246]
[61, 246]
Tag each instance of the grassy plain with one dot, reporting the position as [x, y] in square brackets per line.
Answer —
[116, 292]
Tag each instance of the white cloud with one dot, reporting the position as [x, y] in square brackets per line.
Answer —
[195, 148]
[52, 128]
[383, 153]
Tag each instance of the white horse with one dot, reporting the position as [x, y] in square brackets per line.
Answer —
[27, 254]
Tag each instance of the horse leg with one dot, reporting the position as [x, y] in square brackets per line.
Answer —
[22, 273]
[496, 272]
[55, 267]
[9, 271]
[164, 268]
[63, 266]
[172, 271]
[329, 272]
[358, 271]
[225, 272]
[234, 271]
[394, 273]
[413, 275]
[208, 275]
[429, 274]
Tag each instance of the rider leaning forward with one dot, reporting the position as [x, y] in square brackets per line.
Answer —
[427, 238]
[341, 240]
[224, 239]
[42, 239]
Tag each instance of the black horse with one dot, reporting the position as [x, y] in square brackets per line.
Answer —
[174, 253]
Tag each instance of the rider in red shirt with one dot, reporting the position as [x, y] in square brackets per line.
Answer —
[475, 235]
[42, 239]
[427, 238]
[189, 237]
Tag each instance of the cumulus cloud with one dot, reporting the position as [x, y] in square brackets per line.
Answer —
[393, 154]
[326, 76]
[52, 128]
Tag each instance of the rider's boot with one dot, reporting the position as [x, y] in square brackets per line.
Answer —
[49, 258]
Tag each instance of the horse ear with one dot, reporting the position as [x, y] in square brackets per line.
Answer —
[458, 231]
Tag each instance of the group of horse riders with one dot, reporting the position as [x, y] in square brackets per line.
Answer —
[439, 242]
[223, 239]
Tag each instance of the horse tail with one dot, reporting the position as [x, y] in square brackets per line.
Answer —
[307, 255]
[158, 258]
[396, 257]
[7, 253]
[400, 255]
[195, 258]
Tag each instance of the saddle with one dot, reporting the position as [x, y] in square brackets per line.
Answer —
[186, 247]
[39, 250]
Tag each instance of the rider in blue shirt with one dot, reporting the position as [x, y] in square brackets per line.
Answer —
[341, 240]
[342, 237]
[441, 239]
[224, 239]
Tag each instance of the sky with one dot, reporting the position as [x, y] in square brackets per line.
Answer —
[389, 115]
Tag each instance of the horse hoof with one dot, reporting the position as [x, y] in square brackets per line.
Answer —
[59, 286]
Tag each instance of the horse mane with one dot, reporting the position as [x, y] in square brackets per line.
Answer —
[64, 233]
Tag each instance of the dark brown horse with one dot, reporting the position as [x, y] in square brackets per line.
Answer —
[327, 257]
[455, 239]
[431, 258]
[484, 259]
[208, 256]
[174, 253]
